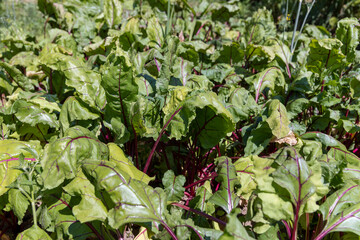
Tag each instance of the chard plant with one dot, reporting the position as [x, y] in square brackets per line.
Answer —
[179, 120]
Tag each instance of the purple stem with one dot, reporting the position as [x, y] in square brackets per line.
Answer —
[148, 161]
[197, 233]
[342, 219]
[200, 213]
[288, 229]
[168, 229]
[157, 65]
[261, 82]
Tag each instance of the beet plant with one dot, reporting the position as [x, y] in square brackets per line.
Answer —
[128, 119]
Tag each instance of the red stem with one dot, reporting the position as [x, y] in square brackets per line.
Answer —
[158, 140]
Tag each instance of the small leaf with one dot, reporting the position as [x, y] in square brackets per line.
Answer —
[19, 203]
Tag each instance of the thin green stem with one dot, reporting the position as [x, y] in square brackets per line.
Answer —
[303, 24]
[292, 47]
[33, 207]
[168, 25]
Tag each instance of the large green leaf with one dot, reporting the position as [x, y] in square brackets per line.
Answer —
[341, 211]
[74, 109]
[120, 86]
[63, 157]
[85, 81]
[33, 115]
[202, 114]
[20, 79]
[302, 182]
[225, 197]
[134, 200]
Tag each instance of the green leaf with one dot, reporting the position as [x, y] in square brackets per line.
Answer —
[112, 12]
[64, 156]
[5, 86]
[302, 182]
[173, 185]
[225, 197]
[134, 200]
[278, 119]
[85, 81]
[355, 87]
[325, 54]
[33, 233]
[19, 204]
[74, 109]
[90, 207]
[120, 85]
[326, 140]
[33, 115]
[234, 229]
[239, 102]
[145, 118]
[155, 33]
[117, 156]
[23, 82]
[271, 78]
[341, 211]
[348, 33]
[202, 114]
[67, 226]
